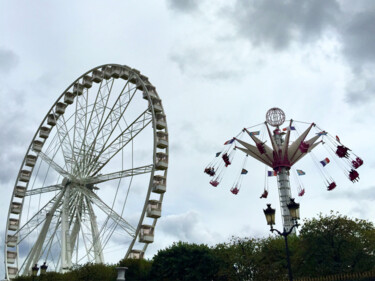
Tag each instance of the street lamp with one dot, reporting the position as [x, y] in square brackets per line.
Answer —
[34, 271]
[43, 269]
[294, 213]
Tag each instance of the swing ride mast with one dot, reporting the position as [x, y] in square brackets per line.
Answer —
[282, 156]
[284, 189]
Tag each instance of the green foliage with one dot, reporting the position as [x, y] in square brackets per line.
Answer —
[336, 244]
[87, 272]
[237, 259]
[138, 269]
[327, 245]
[184, 262]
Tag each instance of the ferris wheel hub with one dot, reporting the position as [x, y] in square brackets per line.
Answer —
[275, 117]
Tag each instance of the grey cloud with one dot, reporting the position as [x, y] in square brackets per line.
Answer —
[202, 63]
[8, 60]
[280, 23]
[14, 134]
[361, 90]
[186, 227]
[358, 38]
[184, 6]
[367, 194]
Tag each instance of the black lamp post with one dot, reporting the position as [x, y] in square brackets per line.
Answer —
[34, 271]
[294, 213]
[43, 270]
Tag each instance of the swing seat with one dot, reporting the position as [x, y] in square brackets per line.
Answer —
[214, 183]
[304, 147]
[264, 194]
[235, 190]
[355, 164]
[302, 192]
[331, 186]
[342, 151]
[210, 171]
[359, 161]
[353, 175]
[261, 148]
[226, 159]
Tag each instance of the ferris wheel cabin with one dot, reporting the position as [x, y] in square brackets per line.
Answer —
[146, 234]
[159, 184]
[136, 254]
[154, 209]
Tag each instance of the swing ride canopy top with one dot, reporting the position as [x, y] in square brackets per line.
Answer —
[92, 181]
[282, 155]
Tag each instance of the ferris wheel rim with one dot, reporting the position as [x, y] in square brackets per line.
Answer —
[35, 137]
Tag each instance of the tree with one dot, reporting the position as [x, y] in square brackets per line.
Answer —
[138, 269]
[336, 244]
[184, 262]
[237, 259]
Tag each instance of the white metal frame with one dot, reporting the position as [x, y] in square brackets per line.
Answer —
[86, 149]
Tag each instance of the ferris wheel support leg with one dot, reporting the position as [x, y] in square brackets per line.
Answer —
[35, 252]
[98, 251]
[76, 226]
[284, 196]
[66, 257]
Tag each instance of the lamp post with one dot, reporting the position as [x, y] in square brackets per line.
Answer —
[34, 271]
[43, 270]
[294, 213]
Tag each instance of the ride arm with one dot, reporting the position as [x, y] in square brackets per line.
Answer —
[108, 211]
[254, 152]
[44, 189]
[54, 165]
[120, 174]
[294, 147]
[299, 155]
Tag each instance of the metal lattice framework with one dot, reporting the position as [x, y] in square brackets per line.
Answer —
[93, 178]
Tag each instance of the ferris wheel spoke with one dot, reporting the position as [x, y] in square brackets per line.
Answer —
[121, 174]
[104, 134]
[84, 131]
[96, 243]
[54, 165]
[100, 109]
[126, 136]
[94, 120]
[37, 248]
[129, 229]
[28, 227]
[52, 237]
[81, 230]
[65, 142]
[44, 189]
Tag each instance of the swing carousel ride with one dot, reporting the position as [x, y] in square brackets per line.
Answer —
[288, 145]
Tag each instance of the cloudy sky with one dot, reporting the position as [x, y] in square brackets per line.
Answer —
[218, 67]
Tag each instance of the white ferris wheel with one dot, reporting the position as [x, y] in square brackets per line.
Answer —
[91, 184]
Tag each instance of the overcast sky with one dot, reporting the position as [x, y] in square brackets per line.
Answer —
[218, 67]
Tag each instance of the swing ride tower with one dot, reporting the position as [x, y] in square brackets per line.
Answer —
[281, 157]
[276, 118]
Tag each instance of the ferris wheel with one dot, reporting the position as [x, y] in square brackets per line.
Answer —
[91, 185]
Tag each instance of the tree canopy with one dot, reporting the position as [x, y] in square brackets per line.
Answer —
[326, 245]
